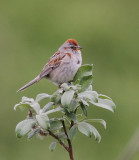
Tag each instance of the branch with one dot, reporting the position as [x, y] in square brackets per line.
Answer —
[69, 142]
[57, 138]
[72, 123]
[41, 132]
[64, 127]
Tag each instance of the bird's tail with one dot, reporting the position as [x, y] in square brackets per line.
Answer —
[30, 83]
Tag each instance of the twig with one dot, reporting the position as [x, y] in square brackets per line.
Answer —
[72, 123]
[57, 138]
[69, 142]
[44, 133]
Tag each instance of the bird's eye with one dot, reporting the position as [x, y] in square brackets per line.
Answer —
[73, 47]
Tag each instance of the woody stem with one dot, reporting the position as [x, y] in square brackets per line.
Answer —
[69, 142]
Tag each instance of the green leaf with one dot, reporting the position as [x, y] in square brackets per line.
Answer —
[21, 106]
[52, 146]
[62, 135]
[105, 103]
[87, 129]
[27, 103]
[55, 125]
[83, 109]
[65, 86]
[101, 121]
[56, 97]
[84, 102]
[73, 105]
[84, 70]
[90, 88]
[35, 106]
[72, 116]
[47, 107]
[54, 110]
[24, 127]
[95, 132]
[102, 96]
[33, 132]
[26, 99]
[80, 117]
[66, 98]
[88, 95]
[75, 87]
[41, 96]
[72, 132]
[86, 82]
[43, 121]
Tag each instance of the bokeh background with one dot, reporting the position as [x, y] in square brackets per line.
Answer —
[31, 31]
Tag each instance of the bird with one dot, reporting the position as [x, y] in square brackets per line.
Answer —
[62, 66]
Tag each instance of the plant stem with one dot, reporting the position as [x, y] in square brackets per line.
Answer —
[71, 153]
[68, 148]
[54, 136]
[57, 138]
[69, 142]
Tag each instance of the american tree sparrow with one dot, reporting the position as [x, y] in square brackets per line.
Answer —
[62, 66]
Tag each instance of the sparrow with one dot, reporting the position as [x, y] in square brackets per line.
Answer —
[62, 66]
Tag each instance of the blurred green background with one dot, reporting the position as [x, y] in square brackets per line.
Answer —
[31, 31]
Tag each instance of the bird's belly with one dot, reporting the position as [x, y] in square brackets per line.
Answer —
[64, 73]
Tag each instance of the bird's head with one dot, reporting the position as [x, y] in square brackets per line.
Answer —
[71, 45]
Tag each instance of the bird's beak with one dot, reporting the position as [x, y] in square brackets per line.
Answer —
[78, 47]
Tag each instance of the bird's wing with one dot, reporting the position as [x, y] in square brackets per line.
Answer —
[53, 63]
